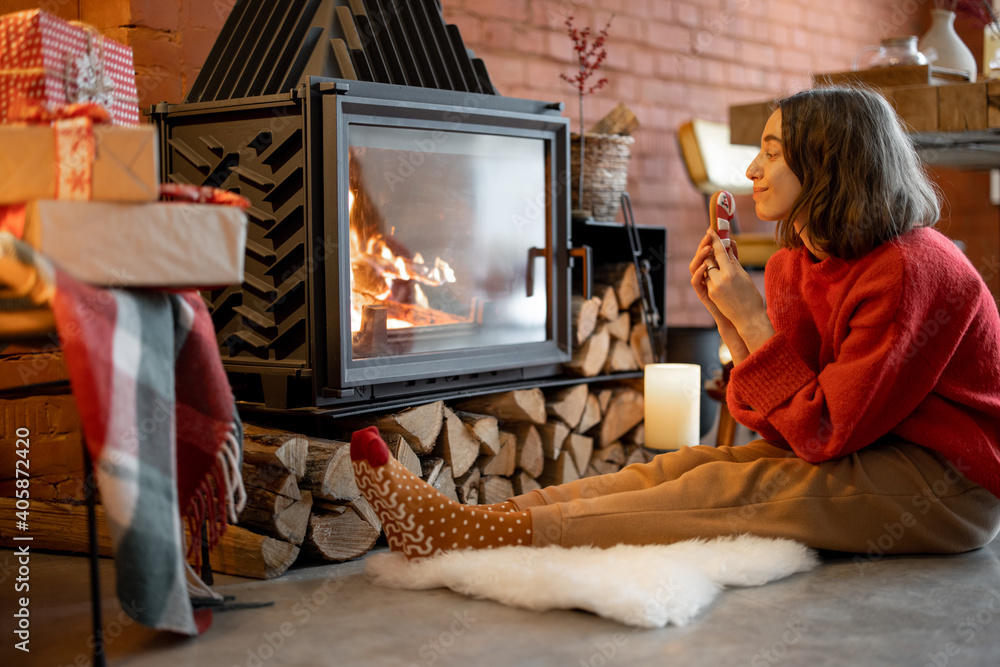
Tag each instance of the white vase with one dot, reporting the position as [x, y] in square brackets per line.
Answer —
[944, 48]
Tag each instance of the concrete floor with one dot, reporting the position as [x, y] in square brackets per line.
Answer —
[935, 610]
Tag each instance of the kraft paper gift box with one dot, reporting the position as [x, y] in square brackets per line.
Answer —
[138, 245]
[125, 167]
[53, 62]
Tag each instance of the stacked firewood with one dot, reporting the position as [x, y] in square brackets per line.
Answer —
[303, 501]
[609, 335]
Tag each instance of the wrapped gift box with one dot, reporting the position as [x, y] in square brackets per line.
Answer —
[53, 62]
[137, 245]
[125, 167]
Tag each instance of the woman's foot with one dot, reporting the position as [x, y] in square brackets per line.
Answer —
[420, 521]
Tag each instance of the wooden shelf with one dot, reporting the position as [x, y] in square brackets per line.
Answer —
[953, 124]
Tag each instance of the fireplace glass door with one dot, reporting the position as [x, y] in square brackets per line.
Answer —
[448, 240]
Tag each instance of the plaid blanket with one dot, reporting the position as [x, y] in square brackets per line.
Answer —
[160, 423]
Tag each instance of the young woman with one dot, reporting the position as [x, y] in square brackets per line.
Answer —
[873, 376]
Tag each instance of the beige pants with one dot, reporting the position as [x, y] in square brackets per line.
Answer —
[886, 498]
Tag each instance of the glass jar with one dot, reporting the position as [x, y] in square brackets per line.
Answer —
[890, 52]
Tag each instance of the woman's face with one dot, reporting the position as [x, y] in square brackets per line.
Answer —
[775, 187]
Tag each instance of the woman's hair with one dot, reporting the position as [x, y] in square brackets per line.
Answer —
[862, 183]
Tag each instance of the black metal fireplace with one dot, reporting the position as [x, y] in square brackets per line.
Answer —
[404, 240]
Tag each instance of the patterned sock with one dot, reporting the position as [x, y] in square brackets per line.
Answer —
[419, 520]
[505, 506]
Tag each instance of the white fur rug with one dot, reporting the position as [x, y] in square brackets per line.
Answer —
[648, 586]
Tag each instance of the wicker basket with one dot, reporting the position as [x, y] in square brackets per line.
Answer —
[605, 173]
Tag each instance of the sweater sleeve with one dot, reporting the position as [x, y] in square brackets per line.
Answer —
[877, 375]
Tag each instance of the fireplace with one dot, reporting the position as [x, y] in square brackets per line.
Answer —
[409, 228]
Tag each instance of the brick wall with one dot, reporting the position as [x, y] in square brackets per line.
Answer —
[668, 60]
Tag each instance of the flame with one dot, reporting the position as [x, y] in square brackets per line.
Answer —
[375, 256]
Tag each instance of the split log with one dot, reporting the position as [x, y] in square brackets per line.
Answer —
[402, 452]
[636, 436]
[55, 526]
[608, 459]
[638, 341]
[553, 435]
[530, 454]
[584, 317]
[244, 553]
[485, 428]
[559, 471]
[430, 468]
[619, 120]
[521, 405]
[625, 411]
[288, 525]
[505, 461]
[588, 360]
[494, 489]
[467, 487]
[623, 279]
[568, 404]
[329, 474]
[457, 444]
[637, 454]
[263, 471]
[419, 426]
[289, 448]
[620, 327]
[366, 512]
[580, 448]
[609, 304]
[591, 414]
[620, 358]
[445, 483]
[524, 483]
[338, 533]
[604, 399]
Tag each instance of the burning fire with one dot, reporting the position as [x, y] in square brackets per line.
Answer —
[377, 273]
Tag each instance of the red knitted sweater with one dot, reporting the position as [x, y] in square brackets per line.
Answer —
[903, 344]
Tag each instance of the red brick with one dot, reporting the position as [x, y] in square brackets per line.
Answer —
[99, 13]
[206, 15]
[156, 14]
[688, 15]
[669, 37]
[761, 55]
[513, 10]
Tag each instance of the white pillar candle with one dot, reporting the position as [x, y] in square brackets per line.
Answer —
[673, 405]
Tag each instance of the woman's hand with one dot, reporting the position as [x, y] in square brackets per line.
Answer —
[735, 296]
[699, 267]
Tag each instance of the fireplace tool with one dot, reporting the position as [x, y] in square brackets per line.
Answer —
[650, 314]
